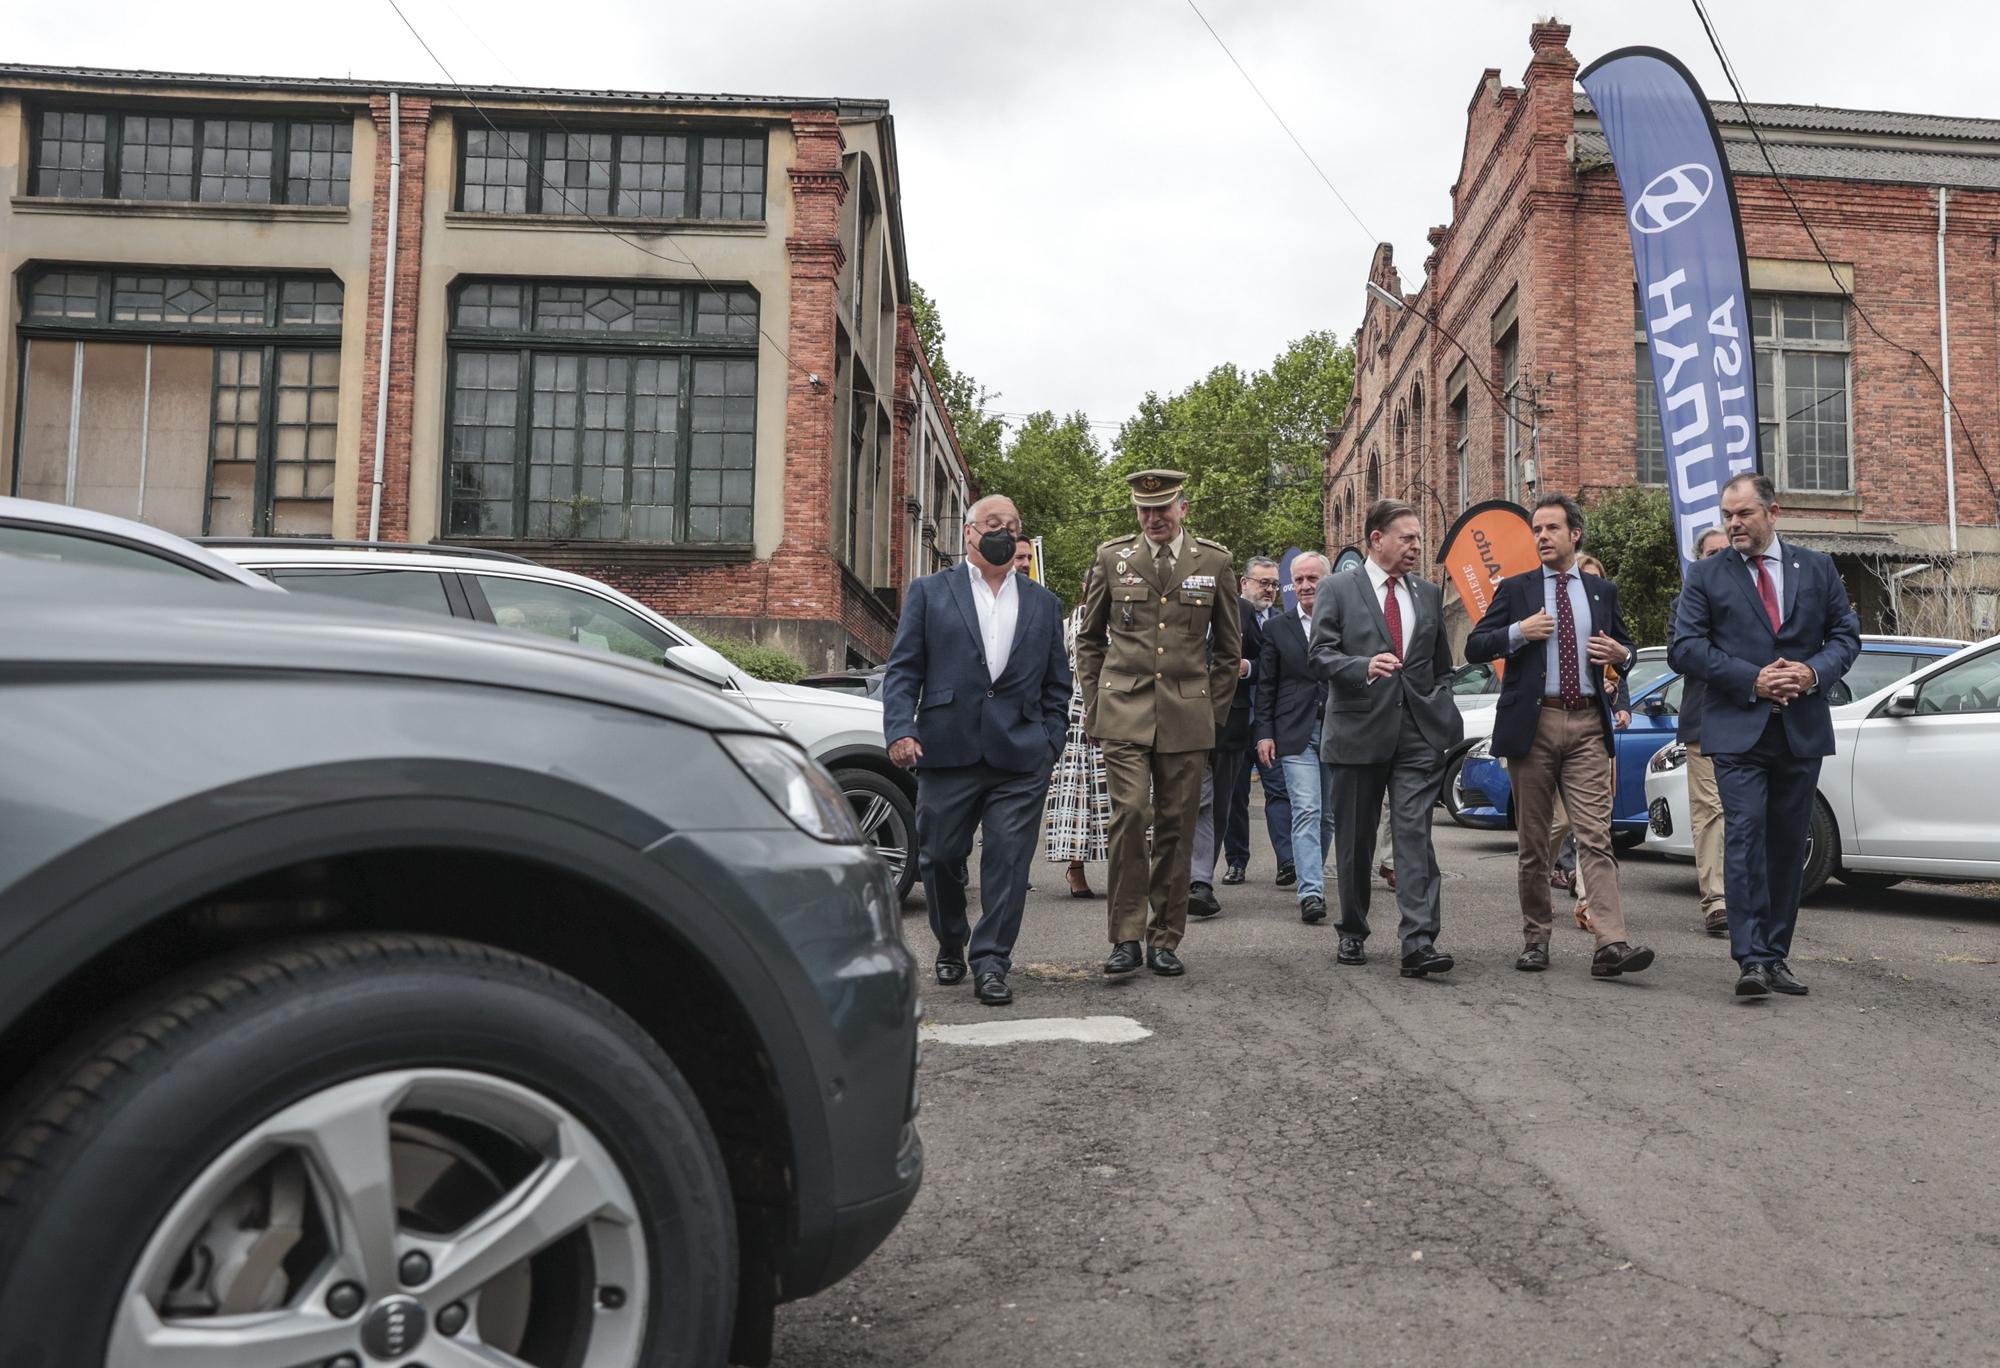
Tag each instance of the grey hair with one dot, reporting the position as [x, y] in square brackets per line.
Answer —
[972, 513]
[1319, 556]
[1766, 492]
[1710, 531]
[1258, 563]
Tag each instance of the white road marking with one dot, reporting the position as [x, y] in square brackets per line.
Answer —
[1093, 1030]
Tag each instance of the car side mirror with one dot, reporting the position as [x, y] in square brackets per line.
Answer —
[1902, 703]
[1656, 706]
[698, 664]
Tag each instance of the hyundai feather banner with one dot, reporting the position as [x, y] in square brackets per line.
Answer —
[1687, 251]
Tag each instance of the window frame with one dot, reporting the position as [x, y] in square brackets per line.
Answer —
[1777, 462]
[281, 121]
[538, 134]
[686, 346]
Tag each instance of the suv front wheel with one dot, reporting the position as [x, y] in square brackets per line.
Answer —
[367, 1149]
[887, 820]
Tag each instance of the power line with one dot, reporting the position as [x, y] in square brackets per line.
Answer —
[1372, 239]
[1743, 106]
[507, 140]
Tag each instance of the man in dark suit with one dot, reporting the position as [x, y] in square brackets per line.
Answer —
[976, 699]
[1260, 588]
[1378, 639]
[1291, 703]
[1558, 628]
[1227, 781]
[1704, 802]
[1768, 628]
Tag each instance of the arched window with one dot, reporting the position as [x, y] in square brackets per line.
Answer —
[1417, 422]
[1374, 475]
[1399, 458]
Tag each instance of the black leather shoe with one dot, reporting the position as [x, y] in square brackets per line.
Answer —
[1125, 959]
[1534, 959]
[1201, 901]
[1755, 981]
[992, 990]
[1351, 951]
[1288, 874]
[1165, 963]
[1233, 874]
[1620, 957]
[950, 968]
[1717, 925]
[1426, 961]
[1312, 909]
[1784, 981]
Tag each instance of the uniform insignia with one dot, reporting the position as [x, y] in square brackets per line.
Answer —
[1198, 582]
[1214, 544]
[1150, 484]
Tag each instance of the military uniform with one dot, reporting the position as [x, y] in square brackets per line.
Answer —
[1158, 654]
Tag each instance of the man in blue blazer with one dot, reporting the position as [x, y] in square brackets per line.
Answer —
[1558, 628]
[976, 698]
[1768, 628]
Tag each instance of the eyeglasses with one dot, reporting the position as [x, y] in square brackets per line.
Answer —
[1264, 583]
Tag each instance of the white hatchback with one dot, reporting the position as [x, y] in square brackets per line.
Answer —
[1911, 791]
[841, 731]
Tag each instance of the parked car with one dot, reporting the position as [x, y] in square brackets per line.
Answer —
[378, 990]
[1913, 783]
[843, 733]
[33, 530]
[864, 683]
[1656, 706]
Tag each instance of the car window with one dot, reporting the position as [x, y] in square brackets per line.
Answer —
[1472, 679]
[556, 610]
[1871, 670]
[1644, 673]
[45, 544]
[1969, 686]
[422, 590]
[1672, 694]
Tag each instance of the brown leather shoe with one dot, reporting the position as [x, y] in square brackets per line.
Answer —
[1717, 925]
[1620, 957]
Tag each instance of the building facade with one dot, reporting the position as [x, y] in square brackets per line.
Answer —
[1535, 375]
[663, 340]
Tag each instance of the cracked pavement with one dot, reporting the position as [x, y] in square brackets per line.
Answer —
[1310, 1164]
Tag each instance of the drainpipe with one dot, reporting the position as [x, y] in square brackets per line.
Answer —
[1944, 347]
[389, 311]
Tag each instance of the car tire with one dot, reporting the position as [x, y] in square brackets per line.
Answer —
[1449, 793]
[1627, 840]
[887, 819]
[1822, 850]
[1867, 880]
[284, 1078]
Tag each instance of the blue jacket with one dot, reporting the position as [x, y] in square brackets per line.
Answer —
[1722, 636]
[1519, 714]
[937, 689]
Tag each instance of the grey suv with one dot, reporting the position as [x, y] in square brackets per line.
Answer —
[382, 990]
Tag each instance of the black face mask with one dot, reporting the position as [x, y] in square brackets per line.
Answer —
[997, 546]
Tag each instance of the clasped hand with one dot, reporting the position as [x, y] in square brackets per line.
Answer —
[1783, 680]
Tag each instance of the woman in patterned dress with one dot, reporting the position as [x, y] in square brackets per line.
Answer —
[1077, 818]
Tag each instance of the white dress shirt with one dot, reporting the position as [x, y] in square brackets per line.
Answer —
[998, 612]
[1378, 579]
[1774, 566]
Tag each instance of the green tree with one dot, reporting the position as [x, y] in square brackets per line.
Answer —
[1632, 531]
[1052, 468]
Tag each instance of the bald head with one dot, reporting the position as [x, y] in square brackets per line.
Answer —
[995, 510]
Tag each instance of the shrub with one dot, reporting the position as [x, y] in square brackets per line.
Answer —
[759, 662]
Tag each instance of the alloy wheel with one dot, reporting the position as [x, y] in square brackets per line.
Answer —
[882, 828]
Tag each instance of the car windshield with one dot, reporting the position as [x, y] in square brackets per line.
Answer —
[49, 544]
[1645, 672]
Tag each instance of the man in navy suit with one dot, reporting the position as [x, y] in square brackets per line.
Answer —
[1558, 628]
[976, 698]
[1768, 628]
[1291, 708]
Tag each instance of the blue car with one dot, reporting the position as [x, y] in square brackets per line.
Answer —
[1485, 796]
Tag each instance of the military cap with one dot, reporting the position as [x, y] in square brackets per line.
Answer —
[1156, 488]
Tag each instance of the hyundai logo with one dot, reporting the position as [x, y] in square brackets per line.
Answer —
[394, 1327]
[1672, 197]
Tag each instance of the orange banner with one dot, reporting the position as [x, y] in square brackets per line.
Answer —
[1489, 542]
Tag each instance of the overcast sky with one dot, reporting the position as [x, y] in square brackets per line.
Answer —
[1097, 200]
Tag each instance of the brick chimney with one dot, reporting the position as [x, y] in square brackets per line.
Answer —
[1549, 40]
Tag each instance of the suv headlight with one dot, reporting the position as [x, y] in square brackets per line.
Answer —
[801, 790]
[1481, 749]
[1668, 758]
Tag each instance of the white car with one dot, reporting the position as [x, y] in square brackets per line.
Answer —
[841, 731]
[1912, 788]
[34, 530]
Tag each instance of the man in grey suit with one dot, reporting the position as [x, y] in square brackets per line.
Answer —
[1378, 640]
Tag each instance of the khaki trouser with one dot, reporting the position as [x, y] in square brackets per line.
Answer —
[1559, 831]
[1567, 760]
[1147, 891]
[1705, 811]
[1385, 841]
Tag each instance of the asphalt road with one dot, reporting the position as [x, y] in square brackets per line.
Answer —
[1310, 1164]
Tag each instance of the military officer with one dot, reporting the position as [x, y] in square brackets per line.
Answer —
[1157, 656]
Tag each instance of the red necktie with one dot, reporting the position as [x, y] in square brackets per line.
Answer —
[1767, 592]
[1568, 678]
[1392, 611]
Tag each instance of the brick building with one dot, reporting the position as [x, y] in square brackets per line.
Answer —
[1533, 276]
[660, 339]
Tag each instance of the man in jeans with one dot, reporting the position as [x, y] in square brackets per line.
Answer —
[1291, 702]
